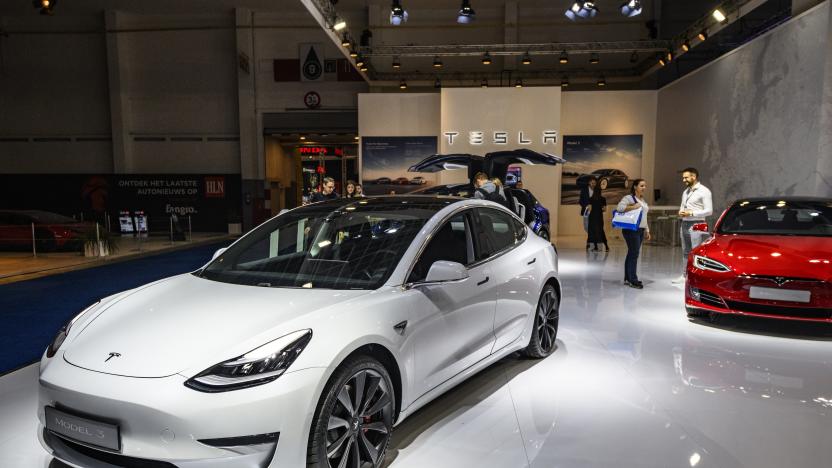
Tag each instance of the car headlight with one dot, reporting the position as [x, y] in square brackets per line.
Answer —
[64, 332]
[705, 263]
[257, 367]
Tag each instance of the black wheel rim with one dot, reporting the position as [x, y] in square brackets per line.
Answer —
[547, 321]
[359, 425]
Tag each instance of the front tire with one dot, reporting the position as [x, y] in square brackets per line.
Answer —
[545, 329]
[354, 418]
[544, 233]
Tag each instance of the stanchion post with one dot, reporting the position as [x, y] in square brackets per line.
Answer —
[190, 230]
[97, 240]
[34, 242]
[171, 230]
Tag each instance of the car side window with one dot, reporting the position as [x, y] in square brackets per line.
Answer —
[495, 232]
[451, 242]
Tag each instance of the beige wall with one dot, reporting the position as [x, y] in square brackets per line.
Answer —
[609, 113]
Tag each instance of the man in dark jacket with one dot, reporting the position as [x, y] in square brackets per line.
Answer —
[327, 191]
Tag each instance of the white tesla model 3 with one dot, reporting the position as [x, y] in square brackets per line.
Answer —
[304, 342]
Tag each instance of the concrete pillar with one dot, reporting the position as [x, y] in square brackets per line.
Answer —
[119, 84]
[823, 176]
[252, 162]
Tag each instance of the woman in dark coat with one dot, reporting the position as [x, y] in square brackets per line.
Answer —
[595, 228]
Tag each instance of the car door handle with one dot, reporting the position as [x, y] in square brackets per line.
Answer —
[531, 261]
[483, 281]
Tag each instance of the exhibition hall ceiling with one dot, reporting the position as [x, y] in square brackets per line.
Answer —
[525, 40]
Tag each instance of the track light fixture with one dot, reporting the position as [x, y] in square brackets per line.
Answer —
[353, 53]
[339, 24]
[527, 59]
[466, 13]
[703, 35]
[363, 68]
[564, 58]
[437, 62]
[486, 59]
[345, 41]
[719, 15]
[44, 7]
[581, 10]
[484, 83]
[686, 45]
[359, 62]
[662, 60]
[602, 82]
[396, 63]
[593, 59]
[437, 83]
[398, 15]
[518, 83]
[564, 82]
[403, 84]
[631, 8]
[634, 57]
[669, 55]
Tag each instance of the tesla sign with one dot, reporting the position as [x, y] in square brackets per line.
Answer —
[479, 137]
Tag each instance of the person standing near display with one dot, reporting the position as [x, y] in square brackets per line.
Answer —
[595, 224]
[327, 191]
[359, 191]
[349, 192]
[586, 193]
[634, 238]
[697, 204]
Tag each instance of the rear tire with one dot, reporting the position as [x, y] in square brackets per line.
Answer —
[543, 340]
[354, 418]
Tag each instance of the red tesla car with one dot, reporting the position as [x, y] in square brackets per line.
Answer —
[51, 230]
[767, 257]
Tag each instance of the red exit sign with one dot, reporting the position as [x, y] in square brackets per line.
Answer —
[214, 187]
[320, 151]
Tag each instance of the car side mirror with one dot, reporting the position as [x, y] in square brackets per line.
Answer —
[443, 271]
[218, 253]
[699, 227]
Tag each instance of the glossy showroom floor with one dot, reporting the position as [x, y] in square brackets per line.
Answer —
[633, 383]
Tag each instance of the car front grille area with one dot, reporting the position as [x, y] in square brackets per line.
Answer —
[78, 454]
[784, 311]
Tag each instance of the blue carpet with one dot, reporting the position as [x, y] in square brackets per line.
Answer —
[31, 312]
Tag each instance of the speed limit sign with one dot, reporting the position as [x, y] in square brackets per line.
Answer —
[312, 99]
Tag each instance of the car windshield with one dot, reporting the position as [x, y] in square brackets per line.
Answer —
[779, 217]
[45, 217]
[330, 245]
[602, 172]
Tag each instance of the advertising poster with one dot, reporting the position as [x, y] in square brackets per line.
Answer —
[385, 161]
[614, 160]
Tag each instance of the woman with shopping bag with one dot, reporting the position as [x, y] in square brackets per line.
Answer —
[631, 217]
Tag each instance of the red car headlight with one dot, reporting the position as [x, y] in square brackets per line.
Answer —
[705, 263]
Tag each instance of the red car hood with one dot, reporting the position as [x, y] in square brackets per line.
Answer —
[790, 256]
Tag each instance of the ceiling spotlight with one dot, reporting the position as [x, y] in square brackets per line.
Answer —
[564, 82]
[564, 58]
[302, 137]
[403, 84]
[437, 83]
[719, 15]
[396, 63]
[581, 10]
[527, 60]
[466, 13]
[631, 8]
[669, 55]
[355, 138]
[398, 15]
[44, 7]
[345, 41]
[662, 61]
[353, 53]
[593, 59]
[703, 35]
[634, 57]
[686, 45]
[359, 62]
[339, 25]
[518, 83]
[486, 59]
[437, 62]
[602, 82]
[484, 83]
[363, 67]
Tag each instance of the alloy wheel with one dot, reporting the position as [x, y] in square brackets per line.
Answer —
[547, 320]
[359, 425]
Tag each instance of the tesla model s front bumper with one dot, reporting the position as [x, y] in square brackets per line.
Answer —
[161, 422]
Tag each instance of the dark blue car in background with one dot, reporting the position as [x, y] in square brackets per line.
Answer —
[494, 164]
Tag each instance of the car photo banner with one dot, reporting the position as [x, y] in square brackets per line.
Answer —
[614, 160]
[384, 163]
[211, 200]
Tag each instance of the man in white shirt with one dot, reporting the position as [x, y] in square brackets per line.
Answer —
[697, 205]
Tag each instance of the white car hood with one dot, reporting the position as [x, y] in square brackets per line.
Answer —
[167, 327]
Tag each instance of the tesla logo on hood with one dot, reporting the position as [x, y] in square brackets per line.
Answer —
[780, 280]
[112, 355]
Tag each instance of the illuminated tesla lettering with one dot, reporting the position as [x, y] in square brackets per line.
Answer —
[500, 137]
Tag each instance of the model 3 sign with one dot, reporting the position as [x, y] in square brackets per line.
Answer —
[82, 429]
[478, 137]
